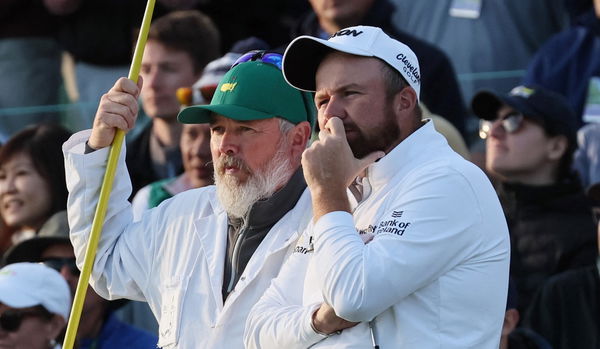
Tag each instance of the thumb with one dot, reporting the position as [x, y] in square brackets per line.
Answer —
[369, 159]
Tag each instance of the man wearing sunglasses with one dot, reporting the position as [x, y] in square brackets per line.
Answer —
[34, 306]
[202, 258]
[530, 140]
[408, 247]
[99, 327]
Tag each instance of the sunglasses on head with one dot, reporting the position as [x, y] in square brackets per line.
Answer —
[58, 263]
[511, 122]
[11, 319]
[260, 56]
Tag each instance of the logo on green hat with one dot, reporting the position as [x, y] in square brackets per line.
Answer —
[228, 86]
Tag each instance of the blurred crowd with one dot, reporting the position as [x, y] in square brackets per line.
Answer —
[513, 85]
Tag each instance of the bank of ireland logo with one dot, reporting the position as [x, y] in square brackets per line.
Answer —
[397, 214]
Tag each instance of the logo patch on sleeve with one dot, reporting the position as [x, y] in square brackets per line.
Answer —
[305, 245]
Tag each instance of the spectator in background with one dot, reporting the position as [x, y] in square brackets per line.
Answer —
[530, 141]
[98, 327]
[569, 64]
[34, 306]
[29, 61]
[489, 43]
[179, 46]
[32, 185]
[100, 35]
[567, 308]
[198, 170]
[441, 93]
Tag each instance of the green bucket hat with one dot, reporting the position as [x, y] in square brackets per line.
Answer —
[253, 91]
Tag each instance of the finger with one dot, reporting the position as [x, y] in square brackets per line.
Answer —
[126, 100]
[113, 120]
[127, 86]
[369, 159]
[323, 134]
[335, 125]
[123, 111]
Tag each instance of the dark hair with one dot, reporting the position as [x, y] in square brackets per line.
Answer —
[190, 31]
[43, 144]
[565, 168]
[42, 312]
[394, 83]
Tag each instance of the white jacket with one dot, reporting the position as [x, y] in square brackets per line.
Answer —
[174, 257]
[435, 274]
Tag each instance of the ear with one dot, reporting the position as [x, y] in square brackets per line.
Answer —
[557, 147]
[298, 139]
[511, 319]
[405, 101]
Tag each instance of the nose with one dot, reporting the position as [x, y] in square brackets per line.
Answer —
[332, 109]
[228, 143]
[152, 78]
[7, 185]
[496, 129]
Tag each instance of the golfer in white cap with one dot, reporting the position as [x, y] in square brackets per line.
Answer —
[34, 306]
[409, 247]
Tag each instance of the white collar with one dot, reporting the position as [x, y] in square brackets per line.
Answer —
[411, 153]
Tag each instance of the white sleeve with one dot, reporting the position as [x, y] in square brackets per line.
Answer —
[279, 320]
[123, 262]
[421, 234]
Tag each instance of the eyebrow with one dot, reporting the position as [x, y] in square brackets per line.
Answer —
[348, 86]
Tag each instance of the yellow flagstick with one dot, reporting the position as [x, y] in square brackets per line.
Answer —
[109, 176]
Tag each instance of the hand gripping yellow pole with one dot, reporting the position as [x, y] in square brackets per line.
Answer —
[109, 176]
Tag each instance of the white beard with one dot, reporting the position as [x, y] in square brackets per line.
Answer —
[238, 198]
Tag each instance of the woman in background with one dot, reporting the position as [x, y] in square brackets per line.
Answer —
[32, 179]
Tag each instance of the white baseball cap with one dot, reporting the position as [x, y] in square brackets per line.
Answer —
[25, 285]
[304, 54]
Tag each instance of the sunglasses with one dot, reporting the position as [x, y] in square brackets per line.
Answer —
[11, 319]
[260, 56]
[511, 122]
[58, 263]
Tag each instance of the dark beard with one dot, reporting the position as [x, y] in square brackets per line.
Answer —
[379, 138]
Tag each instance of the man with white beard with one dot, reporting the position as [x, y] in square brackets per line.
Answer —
[202, 258]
